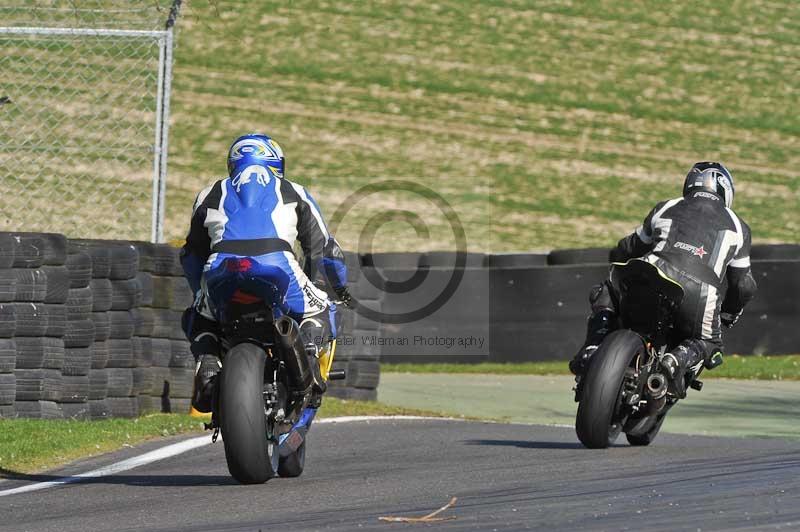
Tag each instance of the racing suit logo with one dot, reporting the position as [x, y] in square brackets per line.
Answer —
[694, 250]
[313, 299]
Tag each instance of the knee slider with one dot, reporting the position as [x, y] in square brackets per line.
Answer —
[206, 343]
[315, 331]
[600, 298]
[600, 323]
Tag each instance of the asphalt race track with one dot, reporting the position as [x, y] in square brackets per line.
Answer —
[506, 477]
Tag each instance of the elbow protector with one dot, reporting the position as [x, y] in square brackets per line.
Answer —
[193, 268]
[333, 265]
[742, 288]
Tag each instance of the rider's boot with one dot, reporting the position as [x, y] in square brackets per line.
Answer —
[676, 375]
[206, 348]
[676, 364]
[320, 384]
[205, 379]
[313, 333]
[599, 324]
[324, 362]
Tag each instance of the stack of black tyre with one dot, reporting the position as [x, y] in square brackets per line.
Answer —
[358, 350]
[8, 326]
[126, 293]
[101, 323]
[89, 267]
[91, 329]
[79, 335]
[32, 269]
[169, 376]
[144, 374]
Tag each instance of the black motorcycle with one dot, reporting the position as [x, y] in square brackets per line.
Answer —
[625, 389]
[264, 400]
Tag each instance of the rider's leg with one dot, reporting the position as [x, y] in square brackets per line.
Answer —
[203, 333]
[310, 307]
[602, 321]
[318, 332]
[322, 330]
[697, 321]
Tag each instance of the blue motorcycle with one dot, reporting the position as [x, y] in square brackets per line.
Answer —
[263, 403]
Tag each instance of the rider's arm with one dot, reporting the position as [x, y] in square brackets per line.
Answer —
[741, 284]
[322, 252]
[638, 243]
[197, 248]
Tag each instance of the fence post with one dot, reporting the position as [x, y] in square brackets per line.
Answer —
[165, 89]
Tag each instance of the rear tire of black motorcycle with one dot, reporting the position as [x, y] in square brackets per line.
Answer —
[601, 388]
[241, 413]
[648, 437]
[292, 466]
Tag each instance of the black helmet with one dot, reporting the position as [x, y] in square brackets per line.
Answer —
[710, 177]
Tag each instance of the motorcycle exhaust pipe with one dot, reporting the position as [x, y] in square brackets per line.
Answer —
[296, 358]
[657, 385]
[657, 405]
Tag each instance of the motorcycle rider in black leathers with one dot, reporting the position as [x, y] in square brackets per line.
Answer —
[698, 241]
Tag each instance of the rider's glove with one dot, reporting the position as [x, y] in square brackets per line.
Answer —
[729, 319]
[344, 296]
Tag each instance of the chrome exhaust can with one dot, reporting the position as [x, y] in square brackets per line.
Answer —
[656, 385]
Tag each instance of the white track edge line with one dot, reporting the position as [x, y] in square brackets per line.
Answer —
[143, 459]
[175, 449]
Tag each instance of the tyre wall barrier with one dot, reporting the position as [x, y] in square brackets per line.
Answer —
[91, 329]
[540, 313]
[77, 328]
[531, 307]
[425, 321]
[359, 343]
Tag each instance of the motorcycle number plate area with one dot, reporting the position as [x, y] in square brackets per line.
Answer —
[292, 442]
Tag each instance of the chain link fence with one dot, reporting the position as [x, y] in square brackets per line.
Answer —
[84, 107]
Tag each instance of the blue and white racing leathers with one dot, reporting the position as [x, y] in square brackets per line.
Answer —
[260, 216]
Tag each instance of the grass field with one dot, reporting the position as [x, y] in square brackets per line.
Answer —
[28, 445]
[545, 124]
[783, 367]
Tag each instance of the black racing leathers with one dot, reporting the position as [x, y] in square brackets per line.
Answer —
[704, 246]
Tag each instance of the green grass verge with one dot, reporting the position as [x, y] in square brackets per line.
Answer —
[28, 445]
[784, 367]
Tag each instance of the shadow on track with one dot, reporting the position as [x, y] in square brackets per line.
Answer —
[526, 444]
[125, 480]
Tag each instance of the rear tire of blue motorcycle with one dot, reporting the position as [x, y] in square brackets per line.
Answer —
[241, 412]
[601, 387]
[292, 465]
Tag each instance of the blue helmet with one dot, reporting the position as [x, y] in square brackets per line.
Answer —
[256, 149]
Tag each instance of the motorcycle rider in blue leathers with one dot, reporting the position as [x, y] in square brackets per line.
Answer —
[256, 212]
